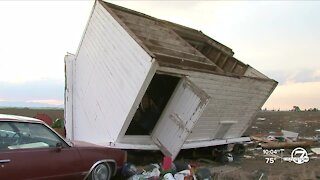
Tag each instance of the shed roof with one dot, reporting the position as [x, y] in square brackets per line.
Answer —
[175, 45]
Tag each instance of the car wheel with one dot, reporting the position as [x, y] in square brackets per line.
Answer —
[101, 172]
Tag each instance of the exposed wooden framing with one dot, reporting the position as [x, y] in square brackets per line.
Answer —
[182, 60]
[196, 44]
[245, 69]
[219, 46]
[189, 68]
[192, 34]
[155, 42]
[217, 57]
[184, 31]
[163, 38]
[133, 17]
[234, 66]
[190, 46]
[135, 20]
[154, 31]
[163, 50]
[209, 49]
[177, 41]
[173, 60]
[224, 62]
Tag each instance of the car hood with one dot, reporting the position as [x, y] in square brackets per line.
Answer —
[83, 144]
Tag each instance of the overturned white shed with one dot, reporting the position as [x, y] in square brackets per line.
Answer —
[138, 82]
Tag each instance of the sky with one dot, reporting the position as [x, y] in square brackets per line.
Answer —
[279, 38]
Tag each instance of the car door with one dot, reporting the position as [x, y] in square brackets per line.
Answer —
[36, 158]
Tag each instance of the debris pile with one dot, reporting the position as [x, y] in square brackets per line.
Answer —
[178, 170]
[285, 139]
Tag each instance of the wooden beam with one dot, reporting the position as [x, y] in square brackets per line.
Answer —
[217, 57]
[234, 66]
[224, 62]
[157, 36]
[166, 44]
[177, 53]
[135, 18]
[207, 49]
[180, 62]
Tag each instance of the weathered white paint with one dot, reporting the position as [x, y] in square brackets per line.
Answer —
[178, 118]
[69, 61]
[232, 99]
[111, 68]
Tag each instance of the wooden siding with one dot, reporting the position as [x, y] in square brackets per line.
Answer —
[232, 99]
[111, 68]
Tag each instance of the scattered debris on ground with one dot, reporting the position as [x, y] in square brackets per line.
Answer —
[265, 157]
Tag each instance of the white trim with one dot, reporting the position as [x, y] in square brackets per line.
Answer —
[187, 145]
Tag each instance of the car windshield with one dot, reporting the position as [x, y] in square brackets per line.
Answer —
[24, 135]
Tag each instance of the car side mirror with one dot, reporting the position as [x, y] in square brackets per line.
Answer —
[59, 147]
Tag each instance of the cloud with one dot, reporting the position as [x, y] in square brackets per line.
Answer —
[35, 38]
[55, 102]
[294, 76]
[304, 94]
[316, 74]
[27, 104]
[32, 90]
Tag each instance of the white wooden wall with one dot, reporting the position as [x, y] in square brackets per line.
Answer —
[110, 71]
[233, 100]
[69, 61]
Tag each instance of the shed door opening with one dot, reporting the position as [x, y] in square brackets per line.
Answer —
[152, 104]
[179, 117]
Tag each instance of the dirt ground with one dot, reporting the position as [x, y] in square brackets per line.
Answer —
[304, 122]
[253, 164]
[259, 169]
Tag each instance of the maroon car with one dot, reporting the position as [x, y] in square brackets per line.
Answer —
[29, 149]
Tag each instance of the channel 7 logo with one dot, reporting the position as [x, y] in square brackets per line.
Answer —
[299, 155]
